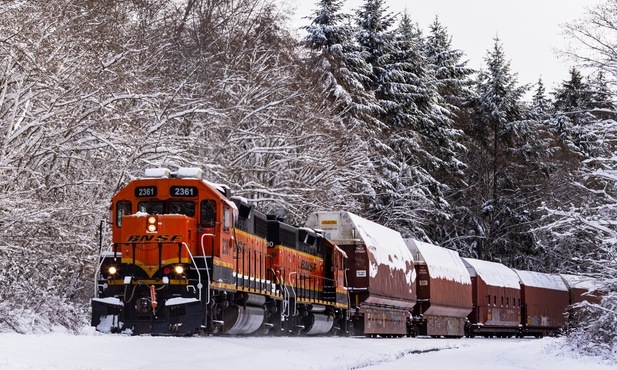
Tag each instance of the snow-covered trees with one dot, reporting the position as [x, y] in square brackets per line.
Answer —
[366, 114]
[404, 125]
[94, 92]
[587, 221]
[55, 172]
[506, 164]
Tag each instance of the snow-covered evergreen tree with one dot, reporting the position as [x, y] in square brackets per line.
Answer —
[420, 133]
[451, 71]
[506, 166]
[343, 76]
[540, 105]
[593, 216]
[572, 106]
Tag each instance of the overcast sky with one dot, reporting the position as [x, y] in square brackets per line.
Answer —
[529, 30]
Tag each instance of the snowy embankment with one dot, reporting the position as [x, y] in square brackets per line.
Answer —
[95, 351]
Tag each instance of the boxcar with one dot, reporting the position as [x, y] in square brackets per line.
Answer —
[545, 300]
[380, 276]
[443, 291]
[496, 300]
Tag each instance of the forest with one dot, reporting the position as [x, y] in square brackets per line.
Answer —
[365, 113]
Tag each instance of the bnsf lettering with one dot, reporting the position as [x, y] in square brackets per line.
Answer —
[225, 246]
[154, 238]
[309, 266]
[238, 246]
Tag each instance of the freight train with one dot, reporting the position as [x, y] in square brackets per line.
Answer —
[188, 258]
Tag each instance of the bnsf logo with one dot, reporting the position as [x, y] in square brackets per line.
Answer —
[310, 266]
[155, 238]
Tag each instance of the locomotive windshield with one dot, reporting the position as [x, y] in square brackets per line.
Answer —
[208, 213]
[182, 208]
[123, 208]
[151, 208]
[172, 207]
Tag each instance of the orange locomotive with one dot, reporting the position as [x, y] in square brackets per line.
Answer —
[188, 258]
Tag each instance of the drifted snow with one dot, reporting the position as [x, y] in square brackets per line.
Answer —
[582, 282]
[157, 173]
[109, 300]
[179, 300]
[442, 263]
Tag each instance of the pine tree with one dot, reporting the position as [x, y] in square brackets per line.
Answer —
[505, 169]
[341, 67]
[417, 139]
[540, 106]
[453, 75]
[414, 123]
[573, 105]
[344, 76]
[601, 98]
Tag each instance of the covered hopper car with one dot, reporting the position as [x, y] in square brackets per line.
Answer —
[496, 299]
[380, 276]
[443, 289]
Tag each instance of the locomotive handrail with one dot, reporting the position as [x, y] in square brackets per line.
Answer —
[97, 274]
[203, 252]
[200, 285]
[292, 289]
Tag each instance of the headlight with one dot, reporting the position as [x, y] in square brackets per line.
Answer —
[151, 227]
[179, 269]
[112, 270]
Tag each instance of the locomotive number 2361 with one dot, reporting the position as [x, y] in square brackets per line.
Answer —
[183, 191]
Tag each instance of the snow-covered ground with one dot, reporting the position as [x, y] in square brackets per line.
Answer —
[96, 351]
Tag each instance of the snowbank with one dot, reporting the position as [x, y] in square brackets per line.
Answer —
[92, 350]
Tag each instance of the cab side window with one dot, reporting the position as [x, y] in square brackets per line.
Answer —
[123, 208]
[226, 218]
[208, 213]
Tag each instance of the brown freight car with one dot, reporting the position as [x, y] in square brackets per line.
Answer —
[496, 300]
[582, 289]
[545, 300]
[380, 276]
[443, 291]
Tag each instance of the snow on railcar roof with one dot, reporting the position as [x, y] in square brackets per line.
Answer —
[493, 273]
[385, 244]
[442, 263]
[541, 280]
[581, 282]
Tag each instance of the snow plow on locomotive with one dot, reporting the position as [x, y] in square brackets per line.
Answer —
[187, 258]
